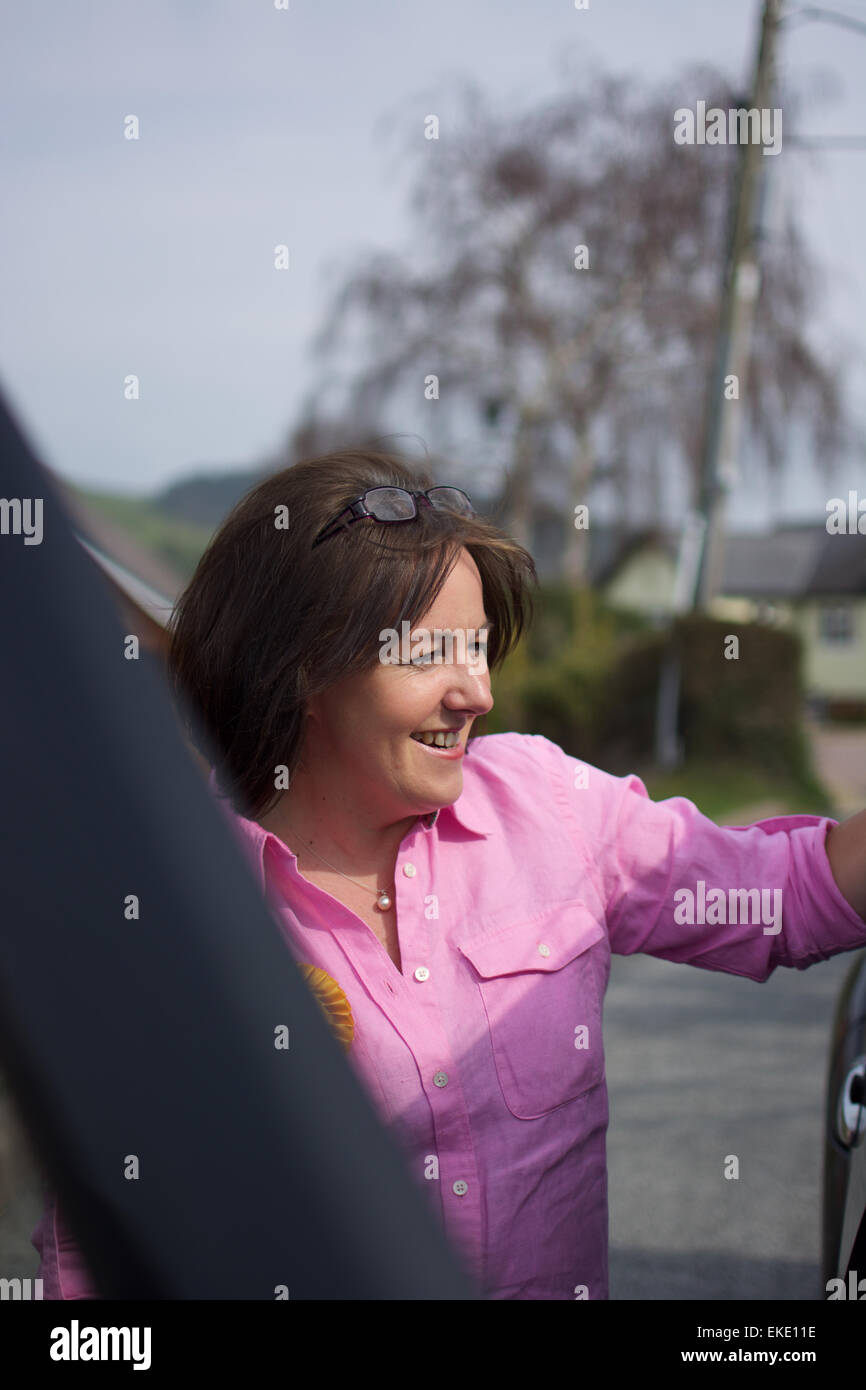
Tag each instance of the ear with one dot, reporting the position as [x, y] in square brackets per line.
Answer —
[312, 714]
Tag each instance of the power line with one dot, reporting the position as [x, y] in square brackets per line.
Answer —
[827, 142]
[845, 21]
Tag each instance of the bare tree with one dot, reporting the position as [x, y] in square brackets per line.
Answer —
[563, 282]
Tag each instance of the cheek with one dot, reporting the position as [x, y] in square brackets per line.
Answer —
[407, 707]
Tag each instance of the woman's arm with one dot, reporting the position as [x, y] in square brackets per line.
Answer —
[846, 851]
[673, 884]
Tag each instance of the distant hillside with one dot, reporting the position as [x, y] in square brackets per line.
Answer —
[206, 498]
[180, 543]
[176, 523]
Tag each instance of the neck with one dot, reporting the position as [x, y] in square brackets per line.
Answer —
[325, 821]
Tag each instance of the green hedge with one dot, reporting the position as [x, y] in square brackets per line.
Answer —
[748, 708]
[587, 678]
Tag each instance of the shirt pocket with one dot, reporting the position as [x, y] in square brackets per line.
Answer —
[542, 982]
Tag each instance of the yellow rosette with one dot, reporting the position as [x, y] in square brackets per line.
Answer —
[332, 1001]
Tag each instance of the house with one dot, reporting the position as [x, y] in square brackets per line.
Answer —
[831, 617]
[800, 577]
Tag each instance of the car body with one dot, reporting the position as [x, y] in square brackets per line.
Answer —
[844, 1187]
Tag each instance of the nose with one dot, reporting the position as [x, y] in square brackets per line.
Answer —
[469, 689]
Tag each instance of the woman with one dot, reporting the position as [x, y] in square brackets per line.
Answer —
[455, 902]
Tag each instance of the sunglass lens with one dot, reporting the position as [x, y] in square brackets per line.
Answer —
[391, 504]
[451, 499]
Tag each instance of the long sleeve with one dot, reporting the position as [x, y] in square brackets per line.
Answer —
[676, 885]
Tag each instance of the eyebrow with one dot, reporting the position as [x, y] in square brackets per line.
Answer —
[488, 624]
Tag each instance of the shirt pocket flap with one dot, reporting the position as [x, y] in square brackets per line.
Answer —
[541, 984]
[548, 941]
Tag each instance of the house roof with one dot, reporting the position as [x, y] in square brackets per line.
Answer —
[841, 567]
[776, 564]
[795, 562]
[609, 546]
[791, 562]
[611, 550]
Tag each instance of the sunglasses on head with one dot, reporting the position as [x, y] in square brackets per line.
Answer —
[395, 504]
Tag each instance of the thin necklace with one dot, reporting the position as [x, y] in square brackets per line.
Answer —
[383, 898]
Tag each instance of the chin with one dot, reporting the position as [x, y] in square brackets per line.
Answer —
[446, 788]
[434, 794]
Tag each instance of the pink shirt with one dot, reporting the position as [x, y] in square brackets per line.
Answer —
[484, 1056]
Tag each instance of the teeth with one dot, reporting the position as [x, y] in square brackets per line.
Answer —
[438, 740]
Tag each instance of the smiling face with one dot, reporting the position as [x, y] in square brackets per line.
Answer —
[360, 731]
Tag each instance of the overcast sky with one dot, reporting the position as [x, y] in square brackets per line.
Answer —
[260, 126]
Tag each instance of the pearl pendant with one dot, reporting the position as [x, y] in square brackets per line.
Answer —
[383, 901]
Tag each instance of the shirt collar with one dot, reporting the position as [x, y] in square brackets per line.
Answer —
[465, 811]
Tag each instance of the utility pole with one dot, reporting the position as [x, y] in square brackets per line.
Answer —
[702, 546]
[740, 286]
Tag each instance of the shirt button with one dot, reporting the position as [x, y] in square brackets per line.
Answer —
[543, 950]
[409, 870]
[440, 1079]
[460, 1188]
[422, 973]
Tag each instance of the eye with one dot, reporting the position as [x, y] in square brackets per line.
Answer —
[426, 658]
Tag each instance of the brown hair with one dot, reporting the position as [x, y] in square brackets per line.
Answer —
[267, 621]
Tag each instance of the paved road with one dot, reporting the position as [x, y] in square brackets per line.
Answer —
[840, 761]
[701, 1065]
